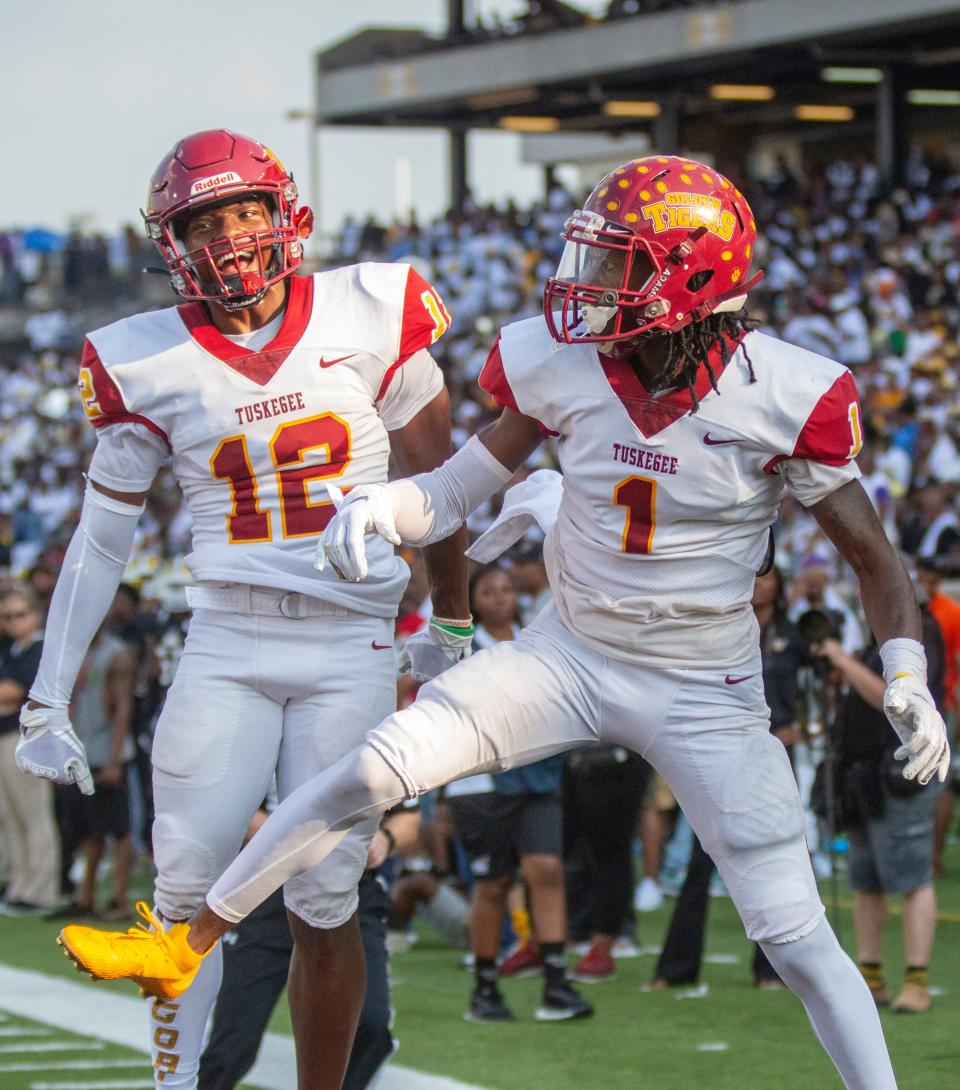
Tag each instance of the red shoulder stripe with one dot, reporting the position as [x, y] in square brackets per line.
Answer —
[424, 319]
[832, 433]
[493, 381]
[101, 398]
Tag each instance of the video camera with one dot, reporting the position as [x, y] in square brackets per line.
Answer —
[815, 626]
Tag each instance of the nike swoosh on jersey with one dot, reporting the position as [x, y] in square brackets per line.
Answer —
[339, 359]
[719, 442]
[736, 680]
[380, 646]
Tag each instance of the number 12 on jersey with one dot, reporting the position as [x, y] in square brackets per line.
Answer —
[639, 496]
[247, 522]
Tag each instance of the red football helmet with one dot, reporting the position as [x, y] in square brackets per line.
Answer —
[221, 166]
[660, 243]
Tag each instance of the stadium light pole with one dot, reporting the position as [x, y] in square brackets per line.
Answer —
[313, 172]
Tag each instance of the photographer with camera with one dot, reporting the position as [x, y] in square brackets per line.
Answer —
[889, 819]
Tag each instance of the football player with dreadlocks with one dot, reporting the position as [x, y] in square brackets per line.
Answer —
[677, 431]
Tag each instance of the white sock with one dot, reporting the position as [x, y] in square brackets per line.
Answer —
[839, 1005]
[178, 1027]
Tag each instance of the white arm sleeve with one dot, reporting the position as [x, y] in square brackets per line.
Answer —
[91, 572]
[431, 506]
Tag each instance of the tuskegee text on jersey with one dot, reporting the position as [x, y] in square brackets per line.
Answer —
[655, 461]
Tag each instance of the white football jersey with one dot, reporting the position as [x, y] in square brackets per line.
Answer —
[665, 515]
[254, 437]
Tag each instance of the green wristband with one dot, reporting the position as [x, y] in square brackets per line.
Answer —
[455, 630]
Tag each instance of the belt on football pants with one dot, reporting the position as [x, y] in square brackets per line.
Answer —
[263, 601]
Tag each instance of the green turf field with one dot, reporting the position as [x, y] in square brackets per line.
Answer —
[733, 1038]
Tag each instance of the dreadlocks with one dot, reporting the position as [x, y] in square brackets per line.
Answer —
[690, 347]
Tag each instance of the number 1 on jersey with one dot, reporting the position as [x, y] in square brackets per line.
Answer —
[231, 462]
[639, 496]
[856, 429]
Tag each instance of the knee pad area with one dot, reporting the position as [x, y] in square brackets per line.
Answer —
[384, 783]
[759, 803]
[332, 910]
[759, 845]
[325, 896]
[778, 900]
[186, 869]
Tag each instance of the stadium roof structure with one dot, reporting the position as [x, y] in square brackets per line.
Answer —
[714, 77]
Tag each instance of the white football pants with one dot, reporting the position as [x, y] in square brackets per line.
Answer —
[254, 695]
[705, 731]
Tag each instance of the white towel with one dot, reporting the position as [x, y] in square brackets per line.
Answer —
[535, 500]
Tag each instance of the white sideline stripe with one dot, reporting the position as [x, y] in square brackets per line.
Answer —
[24, 1031]
[72, 1065]
[100, 1084]
[54, 1046]
[98, 1011]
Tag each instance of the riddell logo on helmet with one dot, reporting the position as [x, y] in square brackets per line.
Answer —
[203, 184]
[690, 210]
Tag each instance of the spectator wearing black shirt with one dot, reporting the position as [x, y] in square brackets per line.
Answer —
[26, 802]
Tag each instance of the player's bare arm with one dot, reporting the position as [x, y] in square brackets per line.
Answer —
[419, 447]
[133, 498]
[512, 438]
[847, 517]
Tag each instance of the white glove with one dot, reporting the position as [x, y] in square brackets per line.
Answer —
[913, 715]
[432, 650]
[48, 748]
[366, 510]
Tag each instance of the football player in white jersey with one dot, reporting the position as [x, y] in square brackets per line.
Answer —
[257, 390]
[677, 431]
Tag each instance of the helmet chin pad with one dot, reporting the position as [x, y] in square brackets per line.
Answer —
[597, 318]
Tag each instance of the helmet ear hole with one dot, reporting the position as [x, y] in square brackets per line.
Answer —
[699, 280]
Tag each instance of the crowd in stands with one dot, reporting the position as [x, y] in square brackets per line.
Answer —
[541, 16]
[863, 274]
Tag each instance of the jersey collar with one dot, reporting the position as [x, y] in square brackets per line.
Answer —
[258, 366]
[651, 415]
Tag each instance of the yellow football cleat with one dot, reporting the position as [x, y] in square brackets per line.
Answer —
[160, 962]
